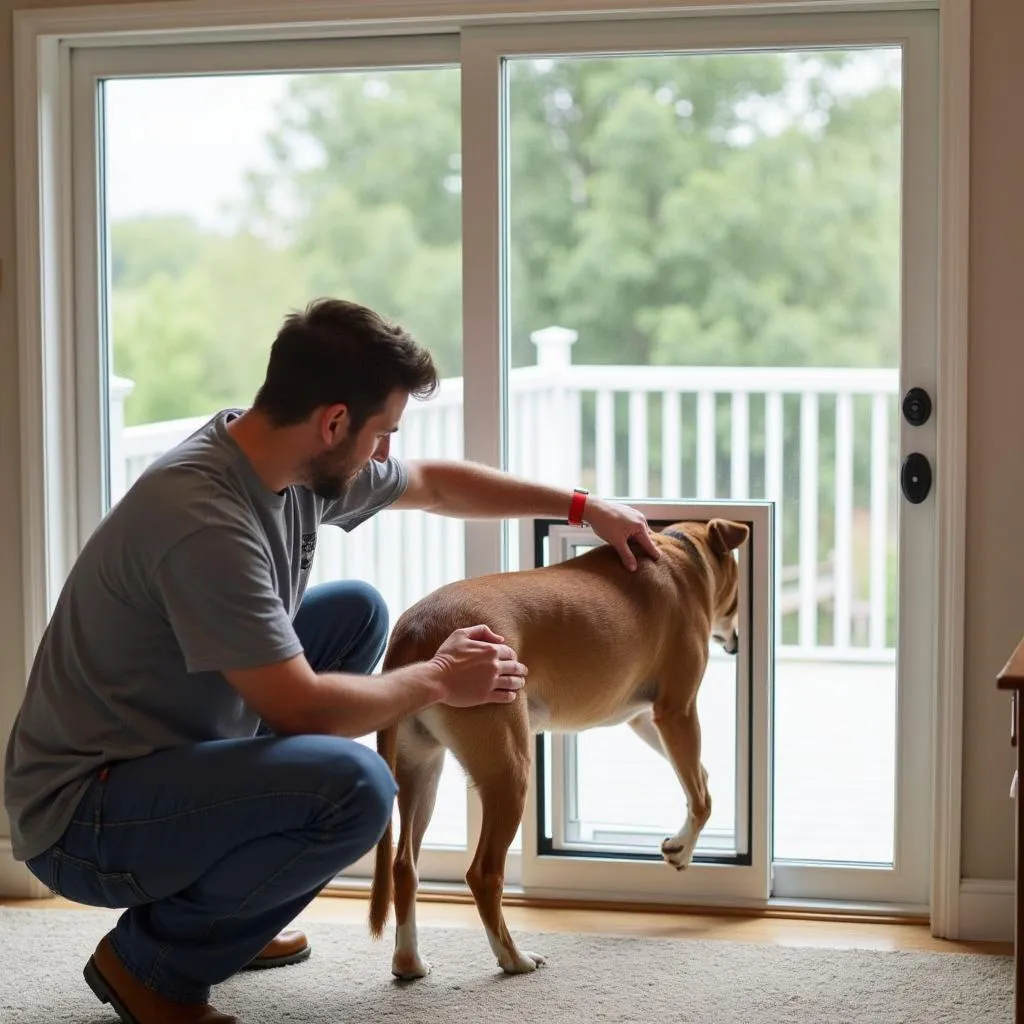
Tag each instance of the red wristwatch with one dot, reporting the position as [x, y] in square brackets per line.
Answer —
[577, 505]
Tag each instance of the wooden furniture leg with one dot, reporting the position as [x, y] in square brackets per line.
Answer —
[1012, 679]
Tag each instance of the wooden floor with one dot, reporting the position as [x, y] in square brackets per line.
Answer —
[767, 930]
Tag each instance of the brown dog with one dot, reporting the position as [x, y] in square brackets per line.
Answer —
[603, 645]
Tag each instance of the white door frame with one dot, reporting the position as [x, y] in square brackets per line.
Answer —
[42, 43]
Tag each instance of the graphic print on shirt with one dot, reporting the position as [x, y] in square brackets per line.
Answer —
[307, 548]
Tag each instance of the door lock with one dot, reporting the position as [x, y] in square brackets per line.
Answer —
[917, 407]
[916, 477]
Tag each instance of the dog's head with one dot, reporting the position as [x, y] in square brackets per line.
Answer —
[719, 539]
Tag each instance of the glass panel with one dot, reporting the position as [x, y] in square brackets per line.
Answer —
[231, 200]
[614, 810]
[705, 303]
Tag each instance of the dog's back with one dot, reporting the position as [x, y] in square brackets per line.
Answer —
[577, 614]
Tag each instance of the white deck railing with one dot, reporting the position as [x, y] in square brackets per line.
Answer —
[654, 432]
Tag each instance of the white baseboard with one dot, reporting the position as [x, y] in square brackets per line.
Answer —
[986, 906]
[16, 881]
[986, 909]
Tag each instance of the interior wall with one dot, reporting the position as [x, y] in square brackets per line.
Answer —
[995, 474]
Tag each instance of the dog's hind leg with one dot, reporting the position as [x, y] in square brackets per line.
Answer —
[497, 758]
[417, 772]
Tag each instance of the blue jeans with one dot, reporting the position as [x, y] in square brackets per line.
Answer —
[215, 847]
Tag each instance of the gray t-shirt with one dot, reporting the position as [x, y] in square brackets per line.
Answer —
[198, 569]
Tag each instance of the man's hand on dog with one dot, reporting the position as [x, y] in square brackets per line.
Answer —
[617, 525]
[478, 667]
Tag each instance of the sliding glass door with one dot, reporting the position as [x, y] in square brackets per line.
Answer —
[224, 200]
[688, 262]
[717, 281]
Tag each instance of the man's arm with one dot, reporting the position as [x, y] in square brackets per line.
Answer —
[473, 666]
[470, 490]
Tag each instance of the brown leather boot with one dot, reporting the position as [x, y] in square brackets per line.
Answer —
[135, 1003]
[289, 947]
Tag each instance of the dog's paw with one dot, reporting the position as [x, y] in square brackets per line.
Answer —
[678, 851]
[408, 966]
[524, 962]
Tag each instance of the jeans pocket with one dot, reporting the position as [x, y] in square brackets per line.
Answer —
[82, 882]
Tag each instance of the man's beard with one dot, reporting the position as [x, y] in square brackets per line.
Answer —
[329, 474]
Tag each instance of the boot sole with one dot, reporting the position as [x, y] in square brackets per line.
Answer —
[104, 993]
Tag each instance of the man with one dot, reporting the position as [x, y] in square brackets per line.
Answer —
[137, 775]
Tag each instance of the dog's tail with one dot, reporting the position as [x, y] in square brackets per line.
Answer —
[382, 889]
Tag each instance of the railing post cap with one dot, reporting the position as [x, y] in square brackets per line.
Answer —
[120, 387]
[554, 345]
[554, 335]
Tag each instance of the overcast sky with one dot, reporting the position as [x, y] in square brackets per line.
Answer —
[178, 145]
[182, 145]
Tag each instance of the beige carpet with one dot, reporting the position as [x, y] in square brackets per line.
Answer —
[587, 979]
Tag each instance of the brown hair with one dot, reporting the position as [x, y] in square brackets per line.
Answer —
[339, 352]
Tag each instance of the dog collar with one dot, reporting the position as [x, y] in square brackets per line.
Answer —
[683, 539]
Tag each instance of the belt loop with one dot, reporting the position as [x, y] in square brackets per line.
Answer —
[102, 775]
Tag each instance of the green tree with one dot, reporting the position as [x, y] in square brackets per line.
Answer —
[597, 147]
[655, 212]
[365, 188]
[142, 247]
[198, 341]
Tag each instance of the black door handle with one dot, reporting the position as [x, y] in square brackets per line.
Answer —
[916, 477]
